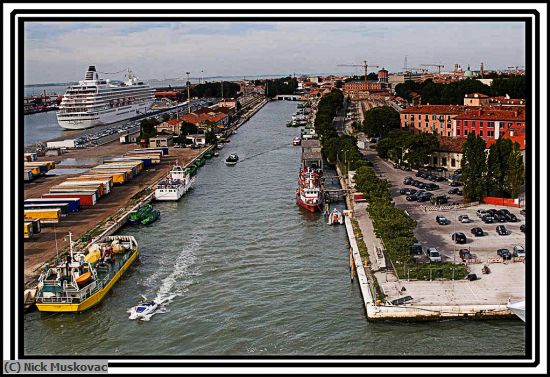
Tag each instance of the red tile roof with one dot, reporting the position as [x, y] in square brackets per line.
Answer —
[493, 113]
[450, 144]
[476, 95]
[434, 109]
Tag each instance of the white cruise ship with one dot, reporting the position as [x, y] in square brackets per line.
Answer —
[96, 101]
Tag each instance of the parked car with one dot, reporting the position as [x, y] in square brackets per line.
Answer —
[502, 231]
[481, 212]
[478, 232]
[499, 217]
[488, 219]
[455, 191]
[438, 200]
[455, 184]
[424, 197]
[459, 237]
[433, 254]
[432, 187]
[412, 198]
[407, 180]
[519, 251]
[464, 219]
[504, 254]
[511, 217]
[442, 220]
[522, 228]
[407, 191]
[522, 212]
[416, 249]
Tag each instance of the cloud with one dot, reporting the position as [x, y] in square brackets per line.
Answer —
[169, 49]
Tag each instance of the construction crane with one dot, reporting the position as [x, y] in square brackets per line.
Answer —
[439, 66]
[364, 65]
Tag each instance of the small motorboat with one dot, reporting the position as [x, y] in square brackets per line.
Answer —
[232, 159]
[297, 141]
[216, 154]
[151, 217]
[335, 217]
[144, 310]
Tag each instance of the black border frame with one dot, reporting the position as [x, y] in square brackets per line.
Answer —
[313, 16]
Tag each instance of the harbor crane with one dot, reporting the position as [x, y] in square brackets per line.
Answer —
[439, 66]
[365, 65]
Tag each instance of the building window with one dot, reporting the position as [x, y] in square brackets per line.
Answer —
[426, 117]
[453, 162]
[434, 117]
[443, 160]
[427, 125]
[448, 133]
[435, 160]
[448, 126]
[491, 124]
[458, 132]
[465, 132]
[481, 133]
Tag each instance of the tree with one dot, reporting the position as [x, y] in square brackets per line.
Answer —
[381, 120]
[165, 117]
[474, 167]
[420, 147]
[210, 137]
[147, 128]
[497, 167]
[516, 171]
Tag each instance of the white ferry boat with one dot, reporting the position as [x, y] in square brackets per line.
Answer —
[96, 101]
[177, 183]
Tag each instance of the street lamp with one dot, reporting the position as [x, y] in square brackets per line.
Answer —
[188, 93]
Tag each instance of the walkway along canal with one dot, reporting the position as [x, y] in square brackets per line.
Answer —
[243, 271]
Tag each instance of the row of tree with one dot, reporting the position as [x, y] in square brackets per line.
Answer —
[396, 229]
[453, 93]
[284, 85]
[498, 172]
[407, 148]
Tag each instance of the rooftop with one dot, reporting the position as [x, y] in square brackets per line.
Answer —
[451, 144]
[493, 113]
[434, 109]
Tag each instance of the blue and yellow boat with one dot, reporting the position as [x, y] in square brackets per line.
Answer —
[82, 280]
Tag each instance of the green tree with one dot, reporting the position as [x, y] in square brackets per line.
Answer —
[474, 167]
[516, 171]
[381, 120]
[147, 128]
[210, 137]
[419, 148]
[497, 167]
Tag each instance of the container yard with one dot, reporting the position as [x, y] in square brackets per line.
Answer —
[83, 202]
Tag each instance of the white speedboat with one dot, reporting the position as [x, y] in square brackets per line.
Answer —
[232, 159]
[518, 308]
[143, 310]
[335, 217]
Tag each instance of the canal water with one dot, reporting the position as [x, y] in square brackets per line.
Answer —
[241, 270]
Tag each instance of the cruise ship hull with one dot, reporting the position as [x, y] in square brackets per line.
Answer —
[103, 118]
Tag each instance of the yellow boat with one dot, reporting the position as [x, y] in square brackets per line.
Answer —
[66, 287]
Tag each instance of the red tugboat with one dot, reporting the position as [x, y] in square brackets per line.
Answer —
[308, 195]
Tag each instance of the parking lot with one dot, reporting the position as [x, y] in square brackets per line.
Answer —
[430, 234]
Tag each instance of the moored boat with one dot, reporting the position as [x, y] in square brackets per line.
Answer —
[296, 141]
[335, 217]
[151, 217]
[67, 287]
[176, 184]
[136, 216]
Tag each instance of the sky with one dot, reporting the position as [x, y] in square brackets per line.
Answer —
[62, 51]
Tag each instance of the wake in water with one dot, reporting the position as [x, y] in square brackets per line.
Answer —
[176, 282]
[264, 152]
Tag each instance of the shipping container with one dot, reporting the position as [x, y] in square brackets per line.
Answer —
[87, 198]
[29, 157]
[130, 163]
[27, 230]
[36, 227]
[35, 171]
[164, 150]
[27, 175]
[155, 158]
[46, 216]
[119, 176]
[108, 180]
[79, 188]
[106, 183]
[63, 207]
[147, 161]
[74, 203]
[132, 170]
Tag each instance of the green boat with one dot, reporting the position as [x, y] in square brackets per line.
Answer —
[208, 155]
[192, 169]
[200, 161]
[136, 216]
[151, 217]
